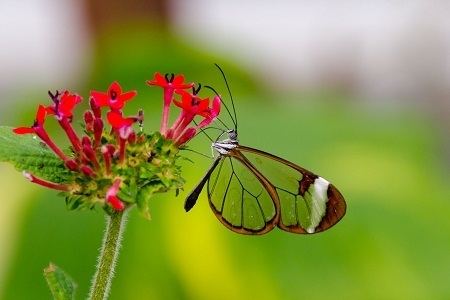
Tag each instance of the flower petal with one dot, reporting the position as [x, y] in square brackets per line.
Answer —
[116, 120]
[23, 130]
[41, 114]
[178, 83]
[127, 96]
[217, 102]
[116, 203]
[100, 98]
[158, 80]
[68, 103]
[111, 195]
[178, 80]
[187, 135]
[203, 105]
[114, 88]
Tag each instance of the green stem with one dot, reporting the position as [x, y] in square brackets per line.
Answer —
[109, 253]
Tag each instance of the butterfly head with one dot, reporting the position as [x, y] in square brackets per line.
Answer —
[232, 135]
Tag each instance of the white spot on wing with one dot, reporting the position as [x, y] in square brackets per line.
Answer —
[319, 203]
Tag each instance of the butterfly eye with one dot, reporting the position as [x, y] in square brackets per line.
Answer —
[232, 134]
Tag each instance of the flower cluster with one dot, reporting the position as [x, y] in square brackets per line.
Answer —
[190, 103]
[116, 166]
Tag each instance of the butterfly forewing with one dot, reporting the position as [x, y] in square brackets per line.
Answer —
[240, 199]
[307, 203]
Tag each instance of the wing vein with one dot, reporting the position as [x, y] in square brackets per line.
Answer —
[217, 177]
[224, 198]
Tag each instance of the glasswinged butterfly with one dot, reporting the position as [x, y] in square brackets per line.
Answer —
[251, 191]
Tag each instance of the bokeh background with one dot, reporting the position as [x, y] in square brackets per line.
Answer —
[356, 92]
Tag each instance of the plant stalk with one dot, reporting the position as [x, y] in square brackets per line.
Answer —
[101, 283]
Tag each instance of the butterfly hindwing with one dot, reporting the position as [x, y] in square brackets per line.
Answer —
[240, 199]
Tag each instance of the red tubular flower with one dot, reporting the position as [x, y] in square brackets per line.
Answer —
[186, 136]
[123, 128]
[98, 131]
[192, 106]
[132, 138]
[213, 113]
[45, 183]
[112, 198]
[95, 108]
[170, 85]
[89, 121]
[38, 129]
[41, 114]
[72, 165]
[98, 166]
[120, 124]
[63, 106]
[172, 82]
[117, 121]
[107, 157]
[91, 155]
[86, 170]
[210, 116]
[114, 97]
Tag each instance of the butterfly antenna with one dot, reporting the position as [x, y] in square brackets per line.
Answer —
[216, 128]
[196, 152]
[229, 93]
[222, 123]
[224, 104]
[204, 132]
[218, 138]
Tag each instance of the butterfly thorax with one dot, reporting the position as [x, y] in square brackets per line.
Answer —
[224, 146]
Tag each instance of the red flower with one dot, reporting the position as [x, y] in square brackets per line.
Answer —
[114, 97]
[39, 130]
[213, 112]
[181, 134]
[38, 122]
[111, 196]
[186, 136]
[170, 85]
[48, 184]
[100, 156]
[117, 121]
[64, 106]
[174, 81]
[192, 104]
[123, 128]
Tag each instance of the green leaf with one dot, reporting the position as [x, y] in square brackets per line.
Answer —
[27, 153]
[60, 284]
[144, 196]
[128, 192]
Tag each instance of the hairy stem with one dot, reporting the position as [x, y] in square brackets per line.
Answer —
[109, 253]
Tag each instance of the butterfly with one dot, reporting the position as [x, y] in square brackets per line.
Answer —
[251, 191]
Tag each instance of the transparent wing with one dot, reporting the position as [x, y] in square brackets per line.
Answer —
[240, 199]
[308, 203]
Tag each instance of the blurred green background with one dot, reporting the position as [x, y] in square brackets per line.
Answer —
[389, 161]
